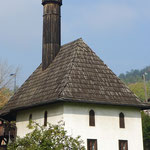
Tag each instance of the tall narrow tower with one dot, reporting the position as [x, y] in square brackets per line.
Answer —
[51, 31]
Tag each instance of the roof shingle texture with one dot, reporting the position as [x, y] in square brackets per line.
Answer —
[76, 74]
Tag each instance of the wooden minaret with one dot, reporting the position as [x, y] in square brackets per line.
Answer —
[51, 31]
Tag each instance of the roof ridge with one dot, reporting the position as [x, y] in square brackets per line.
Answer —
[75, 41]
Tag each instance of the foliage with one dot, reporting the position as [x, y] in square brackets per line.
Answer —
[5, 94]
[6, 81]
[134, 76]
[138, 89]
[5, 71]
[53, 137]
[146, 130]
[135, 82]
[7, 74]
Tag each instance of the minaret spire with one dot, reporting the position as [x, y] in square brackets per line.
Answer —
[51, 31]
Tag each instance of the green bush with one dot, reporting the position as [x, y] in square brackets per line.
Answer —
[52, 137]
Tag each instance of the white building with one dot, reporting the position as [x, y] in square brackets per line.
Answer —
[106, 131]
[73, 85]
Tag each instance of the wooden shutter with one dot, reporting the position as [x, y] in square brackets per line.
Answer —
[121, 120]
[91, 143]
[45, 118]
[30, 117]
[91, 118]
[123, 145]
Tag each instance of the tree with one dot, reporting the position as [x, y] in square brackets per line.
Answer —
[5, 71]
[146, 130]
[6, 82]
[5, 94]
[134, 76]
[53, 137]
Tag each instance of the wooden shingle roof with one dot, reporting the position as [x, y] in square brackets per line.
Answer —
[75, 75]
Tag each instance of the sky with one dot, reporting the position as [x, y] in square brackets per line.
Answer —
[118, 31]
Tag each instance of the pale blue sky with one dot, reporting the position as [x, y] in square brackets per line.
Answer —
[118, 31]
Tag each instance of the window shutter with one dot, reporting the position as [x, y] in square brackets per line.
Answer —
[45, 118]
[123, 145]
[121, 120]
[91, 144]
[92, 118]
[30, 117]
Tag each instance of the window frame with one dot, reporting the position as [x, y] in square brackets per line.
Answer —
[45, 118]
[30, 117]
[122, 120]
[92, 118]
[124, 142]
[91, 140]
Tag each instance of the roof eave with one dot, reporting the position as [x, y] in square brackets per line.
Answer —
[143, 106]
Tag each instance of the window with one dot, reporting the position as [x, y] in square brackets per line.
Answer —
[91, 144]
[123, 145]
[92, 118]
[30, 119]
[121, 120]
[45, 118]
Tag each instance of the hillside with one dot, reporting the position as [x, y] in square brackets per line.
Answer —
[134, 81]
[138, 89]
[134, 76]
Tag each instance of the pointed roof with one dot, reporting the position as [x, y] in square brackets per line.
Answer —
[77, 74]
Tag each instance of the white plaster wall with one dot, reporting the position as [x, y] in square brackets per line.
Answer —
[106, 130]
[55, 114]
[76, 118]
